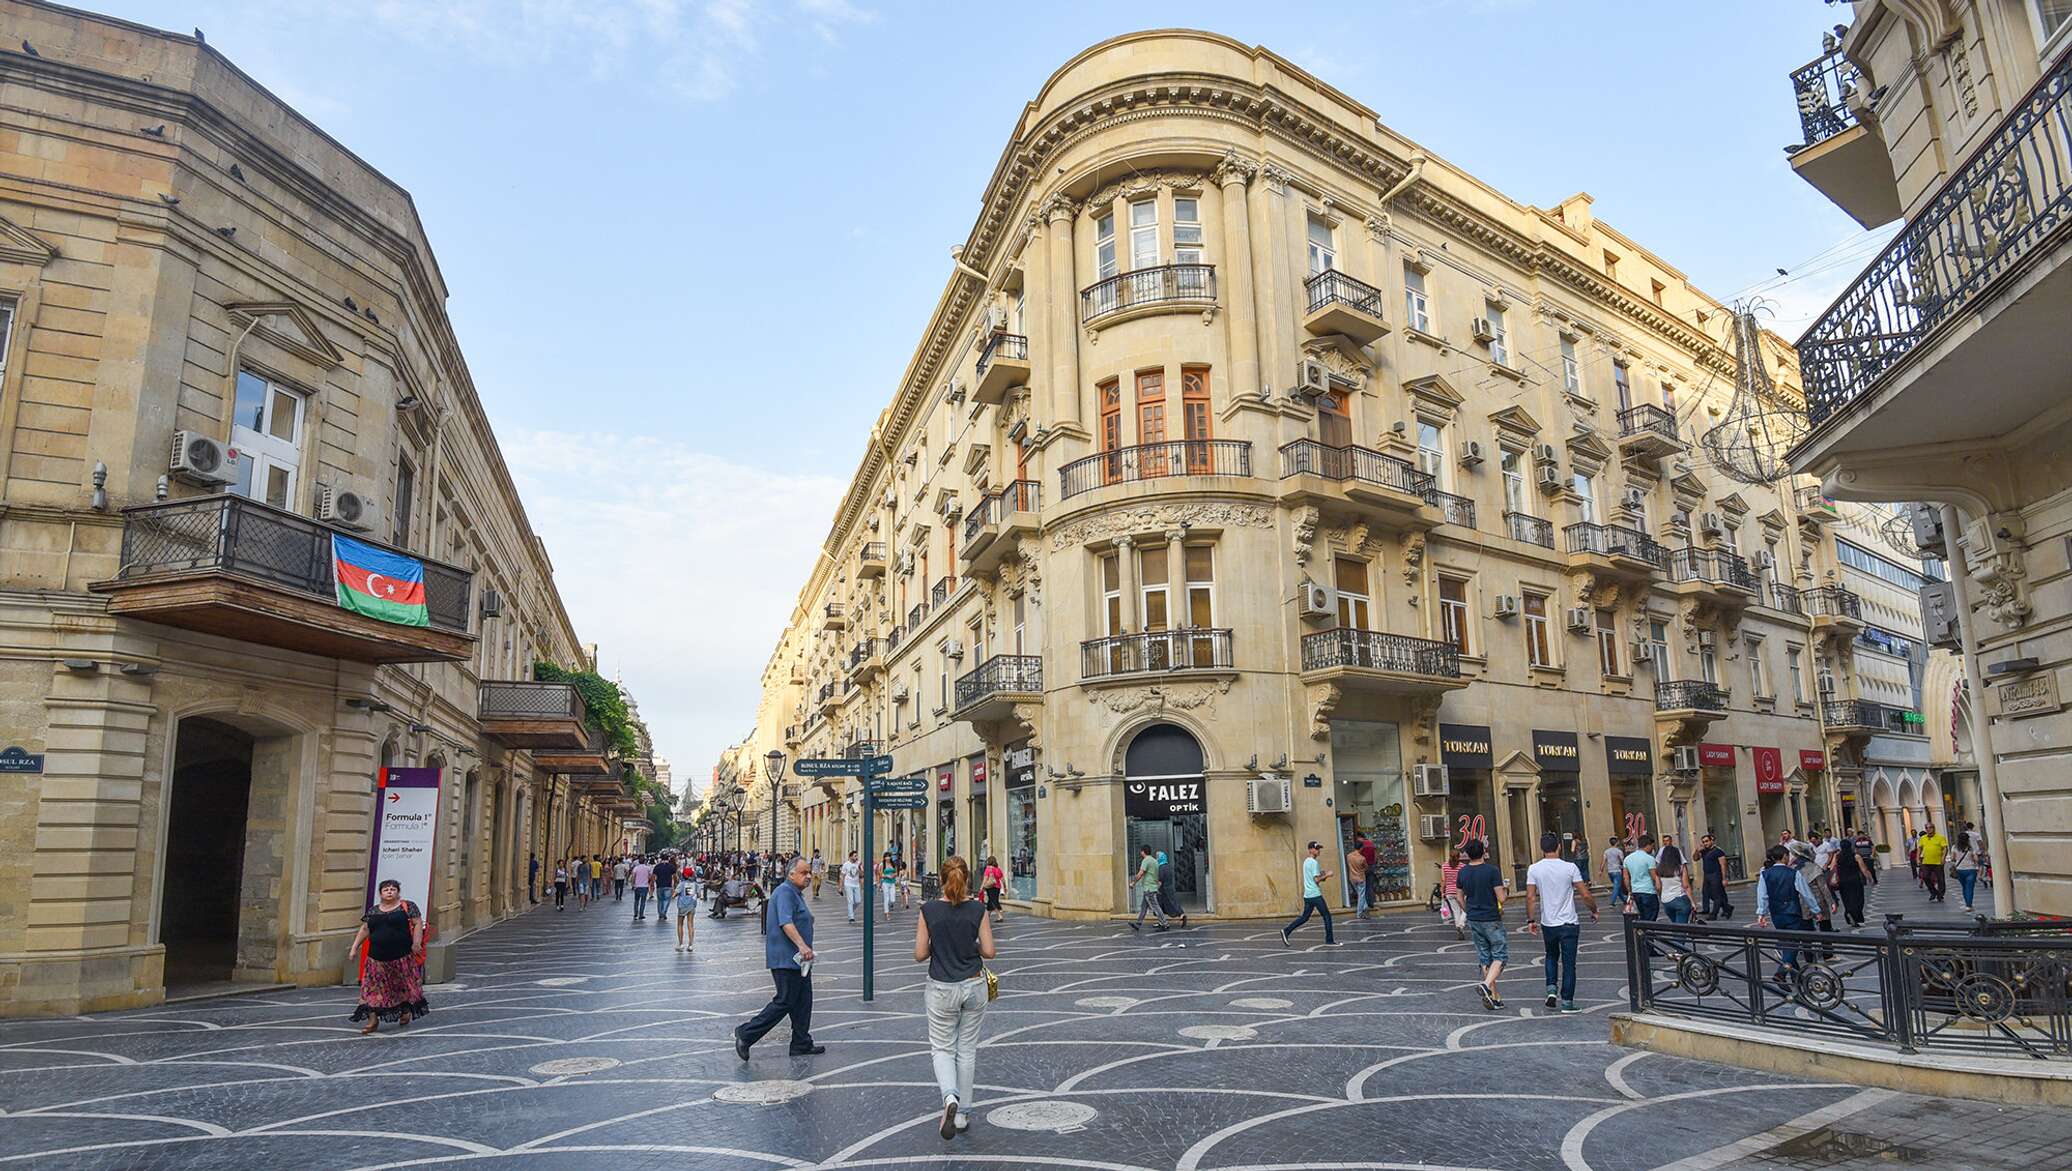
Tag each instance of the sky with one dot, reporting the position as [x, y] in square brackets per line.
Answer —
[690, 246]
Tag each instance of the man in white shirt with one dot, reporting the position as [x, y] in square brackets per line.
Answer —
[619, 872]
[1552, 886]
[852, 884]
[1615, 869]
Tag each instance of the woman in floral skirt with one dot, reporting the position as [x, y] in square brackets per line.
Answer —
[391, 982]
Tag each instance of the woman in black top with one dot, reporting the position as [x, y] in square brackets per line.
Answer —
[391, 983]
[954, 938]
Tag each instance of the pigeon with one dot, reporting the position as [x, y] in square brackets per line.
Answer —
[227, 233]
[351, 306]
[157, 131]
[1781, 272]
[237, 173]
[169, 200]
[369, 315]
[199, 37]
[29, 48]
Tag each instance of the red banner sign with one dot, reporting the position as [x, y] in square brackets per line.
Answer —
[1716, 755]
[1812, 759]
[1769, 770]
[945, 779]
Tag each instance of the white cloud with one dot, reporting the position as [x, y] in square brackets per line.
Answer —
[681, 565]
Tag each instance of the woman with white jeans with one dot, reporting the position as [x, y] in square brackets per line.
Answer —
[954, 938]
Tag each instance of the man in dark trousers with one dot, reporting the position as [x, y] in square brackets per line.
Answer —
[665, 885]
[1712, 868]
[788, 952]
[532, 879]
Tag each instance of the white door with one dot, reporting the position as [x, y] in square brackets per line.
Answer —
[266, 431]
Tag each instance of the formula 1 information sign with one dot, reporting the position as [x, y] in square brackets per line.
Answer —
[406, 829]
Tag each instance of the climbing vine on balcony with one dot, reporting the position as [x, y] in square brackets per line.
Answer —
[607, 706]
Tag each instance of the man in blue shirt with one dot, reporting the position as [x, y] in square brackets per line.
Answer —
[788, 953]
[1313, 877]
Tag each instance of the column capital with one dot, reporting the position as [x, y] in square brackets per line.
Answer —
[1060, 208]
[1125, 542]
[1235, 169]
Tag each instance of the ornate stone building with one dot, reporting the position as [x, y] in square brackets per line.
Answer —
[223, 342]
[1262, 477]
[1942, 373]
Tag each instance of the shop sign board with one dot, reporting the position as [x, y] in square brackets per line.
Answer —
[1716, 756]
[1813, 760]
[1629, 756]
[1161, 798]
[1465, 746]
[406, 831]
[1769, 770]
[1556, 751]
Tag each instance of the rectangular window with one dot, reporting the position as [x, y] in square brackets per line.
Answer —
[1350, 577]
[1201, 601]
[977, 635]
[1539, 643]
[1622, 385]
[6, 331]
[1431, 451]
[1585, 487]
[1708, 658]
[1111, 594]
[1152, 589]
[1187, 237]
[1758, 674]
[1021, 619]
[1334, 424]
[1795, 666]
[1499, 338]
[1608, 643]
[1453, 612]
[1104, 245]
[1323, 254]
[1669, 399]
[1144, 234]
[942, 676]
[1110, 395]
[1658, 647]
[1195, 418]
[1417, 311]
[1571, 370]
[1516, 498]
[266, 430]
[2052, 18]
[1151, 422]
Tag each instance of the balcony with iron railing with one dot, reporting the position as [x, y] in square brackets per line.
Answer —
[1863, 715]
[1339, 304]
[1972, 293]
[1380, 485]
[590, 759]
[1380, 662]
[1813, 504]
[1614, 549]
[1688, 697]
[1003, 364]
[1454, 510]
[1841, 156]
[252, 573]
[942, 589]
[1165, 287]
[866, 658]
[1788, 599]
[989, 691]
[834, 617]
[1154, 461]
[1713, 575]
[532, 713]
[1833, 605]
[1533, 530]
[916, 615]
[1158, 652]
[998, 522]
[1648, 430]
[870, 560]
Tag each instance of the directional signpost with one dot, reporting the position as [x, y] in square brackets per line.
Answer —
[871, 770]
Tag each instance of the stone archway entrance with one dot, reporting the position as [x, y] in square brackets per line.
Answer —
[1165, 807]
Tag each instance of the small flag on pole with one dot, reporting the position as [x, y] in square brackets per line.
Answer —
[378, 583]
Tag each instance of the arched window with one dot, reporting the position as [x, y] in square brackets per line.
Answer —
[1163, 750]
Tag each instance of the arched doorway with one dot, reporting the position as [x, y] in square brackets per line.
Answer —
[1165, 807]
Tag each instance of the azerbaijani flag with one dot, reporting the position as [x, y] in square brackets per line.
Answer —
[378, 583]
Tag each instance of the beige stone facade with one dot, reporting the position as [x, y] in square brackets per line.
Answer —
[182, 254]
[1255, 457]
[1943, 372]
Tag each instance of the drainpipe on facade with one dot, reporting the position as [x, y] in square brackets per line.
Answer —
[1982, 723]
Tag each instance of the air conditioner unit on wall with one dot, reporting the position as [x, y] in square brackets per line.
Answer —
[1483, 330]
[1471, 453]
[1268, 795]
[348, 510]
[1506, 606]
[1550, 477]
[1317, 601]
[1431, 826]
[1430, 780]
[1633, 499]
[1544, 453]
[1312, 378]
[953, 649]
[1643, 652]
[1929, 538]
[1686, 758]
[1711, 524]
[1579, 619]
[200, 460]
[1764, 559]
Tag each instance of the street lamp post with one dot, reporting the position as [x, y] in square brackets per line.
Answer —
[775, 759]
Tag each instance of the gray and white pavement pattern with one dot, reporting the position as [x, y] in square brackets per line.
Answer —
[581, 1039]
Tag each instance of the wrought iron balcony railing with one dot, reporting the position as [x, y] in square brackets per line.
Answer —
[1713, 567]
[1787, 598]
[530, 699]
[1331, 286]
[940, 591]
[1189, 649]
[235, 535]
[893, 637]
[1533, 530]
[1454, 510]
[872, 551]
[917, 615]
[1831, 601]
[1616, 541]
[1020, 496]
[1181, 284]
[1002, 345]
[835, 610]
[1994, 215]
[863, 650]
[1864, 713]
[1177, 457]
[1821, 89]
[1677, 695]
[1647, 419]
[1380, 650]
[1309, 457]
[1001, 674]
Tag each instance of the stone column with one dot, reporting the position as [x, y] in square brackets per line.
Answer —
[1240, 320]
[1126, 565]
[1264, 207]
[1062, 297]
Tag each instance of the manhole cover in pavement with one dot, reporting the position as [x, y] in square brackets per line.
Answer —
[568, 1066]
[767, 1093]
[560, 981]
[1219, 1032]
[1105, 1001]
[1057, 1116]
[1262, 1002]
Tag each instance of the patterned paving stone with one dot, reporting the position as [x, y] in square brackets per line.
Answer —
[580, 1039]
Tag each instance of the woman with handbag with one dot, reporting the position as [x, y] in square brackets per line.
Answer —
[954, 938]
[990, 882]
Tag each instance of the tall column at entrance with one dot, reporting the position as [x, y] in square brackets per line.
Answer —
[1063, 297]
[1126, 568]
[1233, 176]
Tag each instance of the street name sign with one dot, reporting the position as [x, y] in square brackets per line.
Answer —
[895, 786]
[900, 801]
[843, 766]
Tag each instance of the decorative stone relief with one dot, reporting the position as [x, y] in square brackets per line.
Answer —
[1278, 178]
[1960, 73]
[1350, 369]
[1306, 533]
[1323, 702]
[1378, 228]
[1413, 560]
[1126, 522]
[1235, 168]
[1424, 718]
[1142, 183]
[2003, 588]
[1161, 696]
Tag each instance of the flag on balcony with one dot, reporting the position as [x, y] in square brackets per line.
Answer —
[378, 583]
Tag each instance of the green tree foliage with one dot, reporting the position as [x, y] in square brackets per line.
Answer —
[606, 704]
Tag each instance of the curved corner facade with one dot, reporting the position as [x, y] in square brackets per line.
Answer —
[1278, 481]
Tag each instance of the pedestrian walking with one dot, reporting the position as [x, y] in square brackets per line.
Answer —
[1932, 848]
[686, 899]
[1615, 869]
[1669, 881]
[991, 882]
[597, 873]
[1370, 855]
[1314, 876]
[1849, 871]
[888, 882]
[1449, 893]
[619, 872]
[1356, 878]
[1147, 891]
[1914, 856]
[1785, 901]
[560, 886]
[391, 983]
[788, 953]
[1168, 894]
[954, 938]
[1552, 886]
[1867, 850]
[819, 873]
[532, 879]
[1964, 861]
[643, 881]
[667, 876]
[1640, 879]
[1482, 887]
[1712, 874]
[852, 885]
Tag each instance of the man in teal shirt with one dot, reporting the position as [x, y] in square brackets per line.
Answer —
[1147, 891]
[1314, 876]
[1640, 878]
